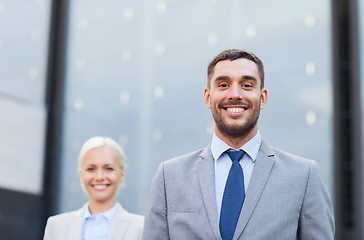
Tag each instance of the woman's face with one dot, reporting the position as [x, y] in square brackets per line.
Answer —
[101, 174]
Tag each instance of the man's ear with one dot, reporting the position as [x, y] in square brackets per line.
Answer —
[263, 98]
[206, 96]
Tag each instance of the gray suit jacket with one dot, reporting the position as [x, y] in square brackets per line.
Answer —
[126, 226]
[286, 199]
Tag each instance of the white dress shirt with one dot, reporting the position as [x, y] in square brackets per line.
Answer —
[223, 164]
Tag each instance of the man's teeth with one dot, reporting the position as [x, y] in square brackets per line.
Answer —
[100, 187]
[235, 110]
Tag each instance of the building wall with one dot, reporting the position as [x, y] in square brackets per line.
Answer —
[24, 31]
[135, 71]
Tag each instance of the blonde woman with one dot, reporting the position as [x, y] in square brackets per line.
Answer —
[101, 166]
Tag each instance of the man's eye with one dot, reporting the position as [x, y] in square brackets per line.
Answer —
[90, 169]
[109, 169]
[223, 85]
[247, 85]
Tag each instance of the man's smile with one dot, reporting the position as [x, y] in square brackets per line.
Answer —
[235, 109]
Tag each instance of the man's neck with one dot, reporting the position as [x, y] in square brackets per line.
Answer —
[236, 141]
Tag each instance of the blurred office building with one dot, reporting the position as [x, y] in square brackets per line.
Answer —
[135, 71]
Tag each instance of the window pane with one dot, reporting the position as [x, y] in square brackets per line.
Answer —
[136, 71]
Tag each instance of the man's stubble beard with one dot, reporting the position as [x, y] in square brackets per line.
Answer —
[239, 131]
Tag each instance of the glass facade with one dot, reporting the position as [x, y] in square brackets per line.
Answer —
[23, 70]
[136, 71]
[24, 37]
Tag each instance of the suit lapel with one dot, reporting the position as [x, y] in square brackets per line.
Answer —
[262, 168]
[119, 224]
[206, 176]
[76, 226]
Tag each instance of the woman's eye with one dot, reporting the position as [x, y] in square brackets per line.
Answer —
[90, 169]
[109, 169]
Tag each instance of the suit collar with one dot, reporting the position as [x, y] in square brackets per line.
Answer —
[120, 223]
[262, 168]
[259, 178]
[76, 227]
[218, 147]
[118, 228]
[109, 214]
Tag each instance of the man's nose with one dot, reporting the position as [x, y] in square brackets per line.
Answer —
[235, 92]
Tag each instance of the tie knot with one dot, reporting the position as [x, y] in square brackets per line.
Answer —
[235, 155]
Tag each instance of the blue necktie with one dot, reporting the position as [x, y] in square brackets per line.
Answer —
[233, 198]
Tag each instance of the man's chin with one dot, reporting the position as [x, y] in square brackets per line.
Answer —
[236, 130]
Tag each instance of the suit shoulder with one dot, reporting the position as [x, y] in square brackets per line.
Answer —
[185, 158]
[123, 214]
[136, 218]
[63, 216]
[288, 163]
[290, 159]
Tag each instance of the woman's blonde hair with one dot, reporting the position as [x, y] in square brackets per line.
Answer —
[96, 142]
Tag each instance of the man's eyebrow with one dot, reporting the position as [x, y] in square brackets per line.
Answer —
[249, 77]
[244, 77]
[222, 77]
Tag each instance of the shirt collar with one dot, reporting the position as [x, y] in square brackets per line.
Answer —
[251, 148]
[109, 214]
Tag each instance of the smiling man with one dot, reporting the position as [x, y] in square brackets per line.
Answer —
[235, 95]
[238, 187]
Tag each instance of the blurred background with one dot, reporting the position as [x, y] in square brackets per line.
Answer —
[135, 70]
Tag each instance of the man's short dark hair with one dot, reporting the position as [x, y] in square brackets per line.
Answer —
[233, 54]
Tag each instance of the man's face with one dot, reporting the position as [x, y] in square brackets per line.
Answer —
[235, 98]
